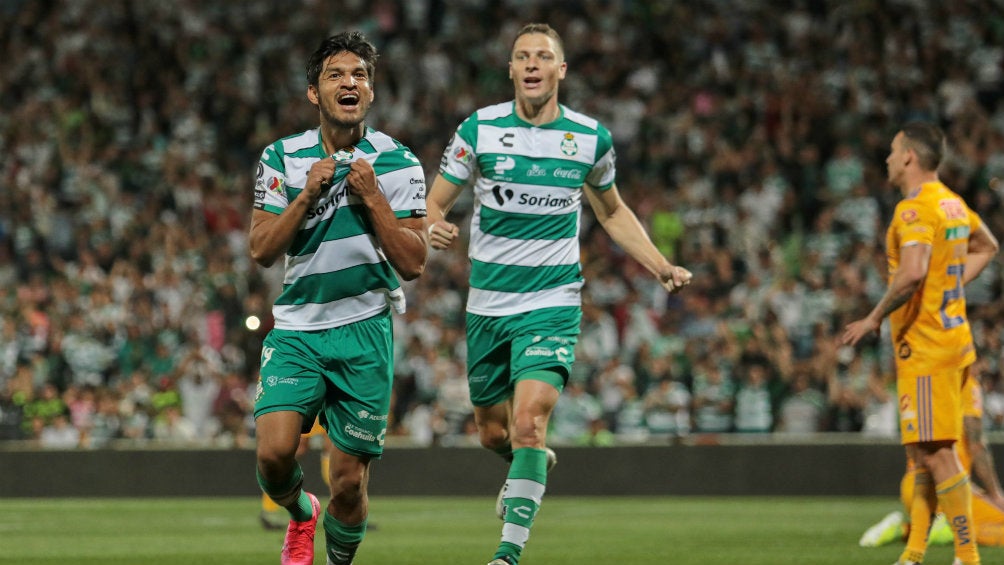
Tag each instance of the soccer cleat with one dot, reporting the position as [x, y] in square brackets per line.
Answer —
[886, 531]
[552, 460]
[500, 561]
[940, 532]
[298, 546]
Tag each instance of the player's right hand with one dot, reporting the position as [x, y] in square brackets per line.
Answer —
[319, 177]
[442, 234]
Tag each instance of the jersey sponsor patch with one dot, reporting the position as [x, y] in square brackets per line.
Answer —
[909, 216]
[953, 209]
[274, 185]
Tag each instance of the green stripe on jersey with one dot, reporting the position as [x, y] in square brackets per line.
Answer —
[514, 225]
[513, 120]
[348, 221]
[516, 278]
[329, 287]
[394, 161]
[272, 158]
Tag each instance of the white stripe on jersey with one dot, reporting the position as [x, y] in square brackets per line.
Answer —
[529, 252]
[311, 316]
[335, 255]
[495, 303]
[533, 142]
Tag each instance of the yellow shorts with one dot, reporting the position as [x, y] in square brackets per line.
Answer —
[930, 404]
[316, 430]
[972, 396]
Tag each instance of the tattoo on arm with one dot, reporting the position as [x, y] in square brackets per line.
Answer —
[895, 303]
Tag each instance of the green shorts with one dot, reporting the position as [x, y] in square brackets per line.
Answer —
[341, 375]
[501, 350]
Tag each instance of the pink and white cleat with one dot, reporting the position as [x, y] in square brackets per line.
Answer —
[298, 546]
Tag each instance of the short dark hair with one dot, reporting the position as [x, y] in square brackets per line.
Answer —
[350, 41]
[927, 141]
[541, 28]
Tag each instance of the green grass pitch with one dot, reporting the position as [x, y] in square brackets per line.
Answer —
[461, 531]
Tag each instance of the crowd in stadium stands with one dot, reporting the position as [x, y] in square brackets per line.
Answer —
[751, 140]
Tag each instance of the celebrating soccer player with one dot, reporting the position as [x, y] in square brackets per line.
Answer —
[530, 160]
[345, 205]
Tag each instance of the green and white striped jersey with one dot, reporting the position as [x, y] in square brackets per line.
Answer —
[524, 238]
[335, 272]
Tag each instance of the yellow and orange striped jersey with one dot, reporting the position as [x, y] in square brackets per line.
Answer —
[931, 331]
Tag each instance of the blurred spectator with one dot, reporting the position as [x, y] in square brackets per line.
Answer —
[714, 398]
[803, 409]
[754, 408]
[198, 389]
[172, 426]
[667, 409]
[573, 416]
[59, 433]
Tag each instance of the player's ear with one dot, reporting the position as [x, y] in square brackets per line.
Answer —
[910, 155]
[312, 94]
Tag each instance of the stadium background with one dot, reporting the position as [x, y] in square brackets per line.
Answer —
[751, 140]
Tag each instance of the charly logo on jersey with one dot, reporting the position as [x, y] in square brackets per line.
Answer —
[568, 145]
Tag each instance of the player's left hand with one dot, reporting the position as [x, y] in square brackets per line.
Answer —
[676, 279]
[361, 179]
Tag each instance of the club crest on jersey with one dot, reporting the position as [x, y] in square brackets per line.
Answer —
[568, 145]
[904, 350]
[343, 155]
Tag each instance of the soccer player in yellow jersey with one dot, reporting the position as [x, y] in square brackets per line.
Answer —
[935, 244]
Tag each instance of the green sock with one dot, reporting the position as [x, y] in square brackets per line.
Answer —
[290, 494]
[342, 540]
[524, 491]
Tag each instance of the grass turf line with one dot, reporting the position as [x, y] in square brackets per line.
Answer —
[462, 531]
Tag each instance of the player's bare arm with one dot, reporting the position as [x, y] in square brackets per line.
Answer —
[624, 228]
[402, 240]
[909, 277]
[271, 234]
[442, 196]
[983, 248]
